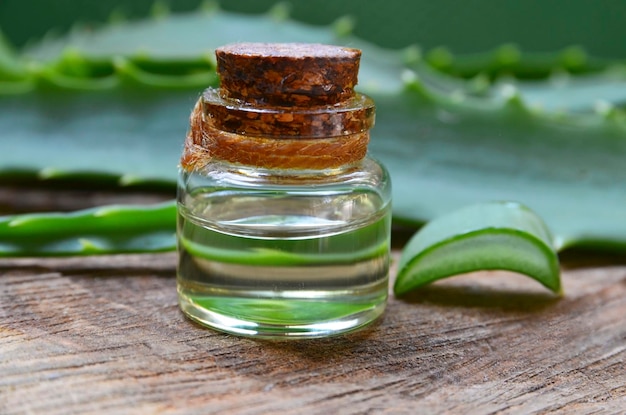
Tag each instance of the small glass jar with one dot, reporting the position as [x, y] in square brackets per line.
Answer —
[283, 220]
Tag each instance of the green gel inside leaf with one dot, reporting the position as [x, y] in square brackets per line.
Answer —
[502, 236]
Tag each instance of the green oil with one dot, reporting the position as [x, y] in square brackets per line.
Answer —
[283, 265]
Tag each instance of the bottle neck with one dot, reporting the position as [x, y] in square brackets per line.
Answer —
[278, 138]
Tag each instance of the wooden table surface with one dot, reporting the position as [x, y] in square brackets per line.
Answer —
[105, 335]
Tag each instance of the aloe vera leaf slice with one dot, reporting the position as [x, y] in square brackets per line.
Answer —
[500, 235]
[102, 230]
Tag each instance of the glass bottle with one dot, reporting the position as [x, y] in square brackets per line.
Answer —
[283, 220]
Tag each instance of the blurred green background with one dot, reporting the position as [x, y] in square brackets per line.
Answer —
[463, 26]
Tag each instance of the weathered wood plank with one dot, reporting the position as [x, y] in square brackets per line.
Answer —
[104, 334]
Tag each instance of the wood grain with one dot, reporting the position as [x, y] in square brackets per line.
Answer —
[105, 335]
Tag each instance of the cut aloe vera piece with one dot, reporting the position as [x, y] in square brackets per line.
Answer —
[491, 236]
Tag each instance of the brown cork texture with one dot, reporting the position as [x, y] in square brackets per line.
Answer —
[281, 106]
[205, 143]
[353, 116]
[288, 74]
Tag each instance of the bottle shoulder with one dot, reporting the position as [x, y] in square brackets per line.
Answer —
[367, 173]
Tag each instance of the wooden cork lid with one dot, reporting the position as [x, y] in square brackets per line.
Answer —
[287, 74]
[281, 106]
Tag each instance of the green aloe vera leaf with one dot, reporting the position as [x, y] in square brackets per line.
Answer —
[177, 40]
[509, 60]
[135, 136]
[445, 148]
[490, 236]
[566, 169]
[406, 22]
[176, 37]
[102, 230]
[44, 123]
[597, 25]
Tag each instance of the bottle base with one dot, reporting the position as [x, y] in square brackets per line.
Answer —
[282, 318]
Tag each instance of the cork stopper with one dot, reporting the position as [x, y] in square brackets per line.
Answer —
[287, 74]
[281, 106]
